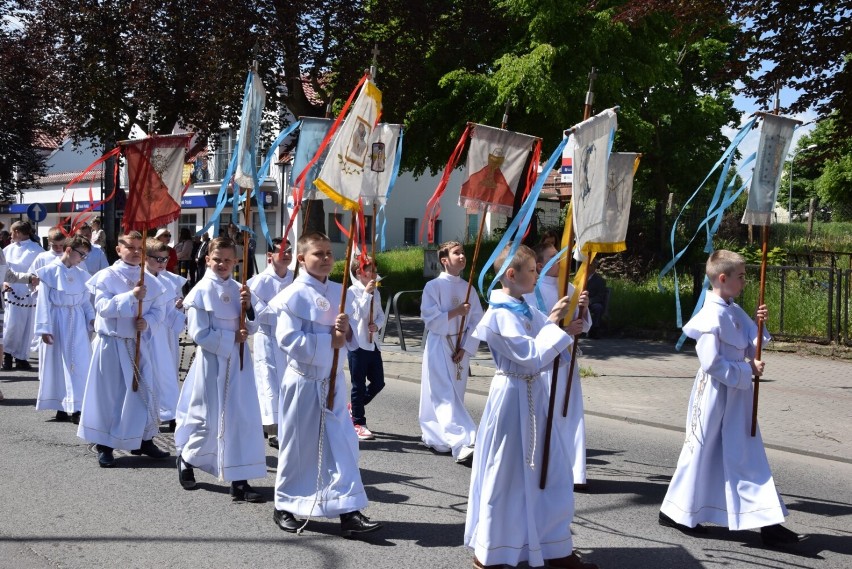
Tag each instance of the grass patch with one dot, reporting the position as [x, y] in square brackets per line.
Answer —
[587, 371]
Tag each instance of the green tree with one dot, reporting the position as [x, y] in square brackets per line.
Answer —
[452, 62]
[23, 107]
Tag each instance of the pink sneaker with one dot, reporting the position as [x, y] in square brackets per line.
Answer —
[363, 433]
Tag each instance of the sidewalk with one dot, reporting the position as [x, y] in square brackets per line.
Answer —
[805, 404]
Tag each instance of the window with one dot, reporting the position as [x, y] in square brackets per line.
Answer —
[227, 145]
[334, 233]
[187, 220]
[437, 237]
[472, 226]
[369, 231]
[410, 231]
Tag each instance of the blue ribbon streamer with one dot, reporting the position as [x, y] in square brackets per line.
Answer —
[517, 307]
[539, 299]
[713, 212]
[394, 174]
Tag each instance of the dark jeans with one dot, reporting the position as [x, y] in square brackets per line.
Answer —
[364, 366]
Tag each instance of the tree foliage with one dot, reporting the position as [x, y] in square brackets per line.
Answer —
[23, 108]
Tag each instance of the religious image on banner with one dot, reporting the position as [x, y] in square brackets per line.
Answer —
[592, 144]
[379, 167]
[154, 176]
[775, 138]
[495, 166]
[619, 193]
[311, 134]
[341, 176]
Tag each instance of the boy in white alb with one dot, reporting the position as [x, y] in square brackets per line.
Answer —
[364, 306]
[64, 319]
[318, 471]
[56, 242]
[445, 423]
[20, 298]
[218, 423]
[574, 423]
[723, 475]
[269, 358]
[164, 337]
[511, 520]
[113, 414]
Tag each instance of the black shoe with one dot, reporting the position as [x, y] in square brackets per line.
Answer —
[62, 417]
[105, 457]
[779, 536]
[148, 448]
[272, 441]
[75, 417]
[240, 490]
[286, 521]
[185, 474]
[668, 522]
[356, 523]
[7, 362]
[22, 365]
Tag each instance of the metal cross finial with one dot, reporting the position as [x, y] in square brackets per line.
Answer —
[374, 65]
[151, 115]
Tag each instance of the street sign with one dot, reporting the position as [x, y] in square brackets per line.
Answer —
[37, 212]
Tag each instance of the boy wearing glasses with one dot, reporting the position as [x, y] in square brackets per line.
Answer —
[114, 415]
[163, 337]
[269, 358]
[64, 315]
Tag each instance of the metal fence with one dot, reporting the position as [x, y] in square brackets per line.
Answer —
[805, 303]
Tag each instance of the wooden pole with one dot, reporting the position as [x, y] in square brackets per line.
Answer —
[470, 281]
[759, 343]
[247, 210]
[329, 402]
[372, 260]
[141, 282]
[551, 404]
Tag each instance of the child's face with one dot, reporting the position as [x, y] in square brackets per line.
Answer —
[546, 256]
[318, 259]
[221, 262]
[732, 285]
[156, 262]
[365, 274]
[279, 262]
[455, 261]
[57, 245]
[525, 277]
[74, 257]
[130, 250]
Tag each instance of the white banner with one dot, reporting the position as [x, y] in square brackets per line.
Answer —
[775, 138]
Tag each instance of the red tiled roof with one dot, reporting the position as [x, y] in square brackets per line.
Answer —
[65, 177]
[555, 186]
[47, 141]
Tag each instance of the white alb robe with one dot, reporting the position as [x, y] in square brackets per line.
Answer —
[64, 311]
[307, 310]
[218, 419]
[574, 423]
[723, 475]
[269, 358]
[96, 260]
[509, 518]
[113, 414]
[162, 339]
[358, 304]
[20, 312]
[445, 423]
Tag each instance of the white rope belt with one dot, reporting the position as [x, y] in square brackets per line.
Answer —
[529, 378]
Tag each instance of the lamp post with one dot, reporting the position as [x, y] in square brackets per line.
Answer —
[790, 197]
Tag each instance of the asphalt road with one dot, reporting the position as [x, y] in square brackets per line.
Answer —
[59, 510]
